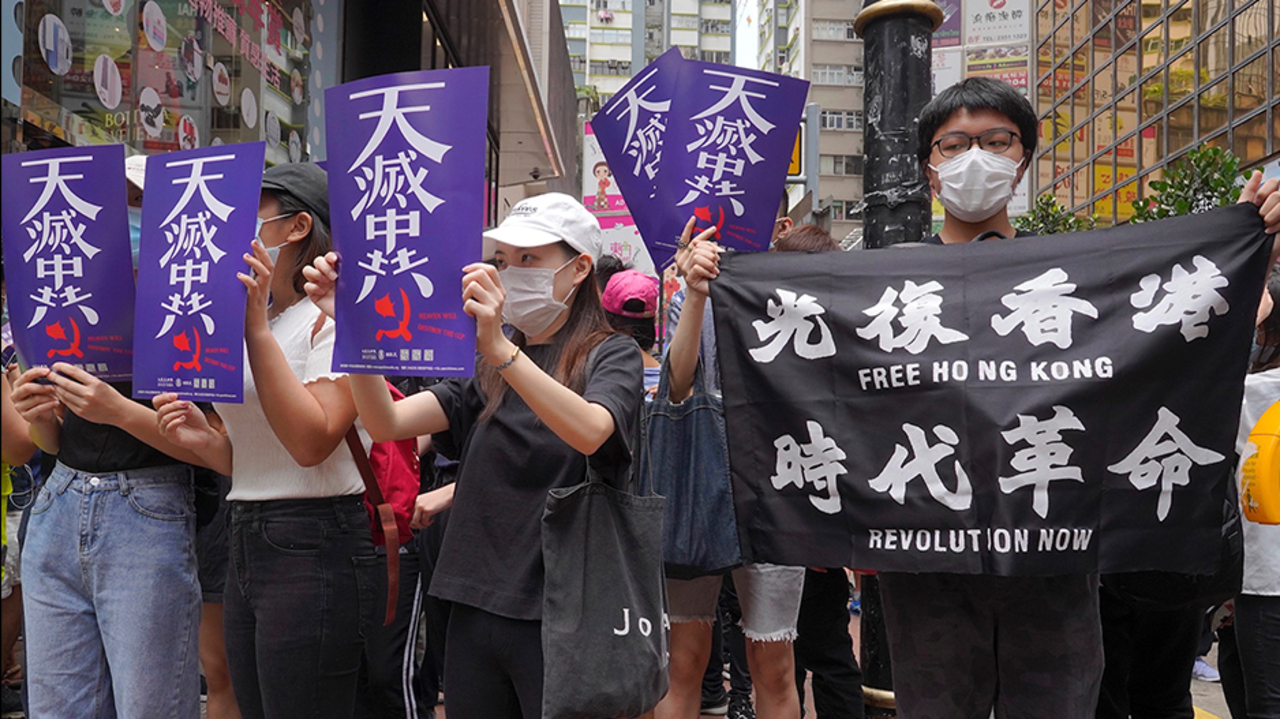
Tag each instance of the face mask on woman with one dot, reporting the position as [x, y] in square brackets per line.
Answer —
[531, 305]
[976, 184]
[272, 252]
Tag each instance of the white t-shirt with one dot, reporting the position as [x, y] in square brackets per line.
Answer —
[1261, 541]
[262, 468]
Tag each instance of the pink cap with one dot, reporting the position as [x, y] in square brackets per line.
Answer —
[631, 293]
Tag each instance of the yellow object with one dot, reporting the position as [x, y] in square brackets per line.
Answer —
[1260, 478]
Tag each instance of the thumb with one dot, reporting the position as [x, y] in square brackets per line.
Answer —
[1250, 191]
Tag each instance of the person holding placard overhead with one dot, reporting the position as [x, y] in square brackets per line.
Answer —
[563, 391]
[300, 581]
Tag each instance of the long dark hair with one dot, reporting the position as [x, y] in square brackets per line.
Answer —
[586, 327]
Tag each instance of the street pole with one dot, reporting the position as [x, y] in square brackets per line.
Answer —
[898, 83]
[896, 44]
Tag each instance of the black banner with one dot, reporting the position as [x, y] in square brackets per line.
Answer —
[1034, 406]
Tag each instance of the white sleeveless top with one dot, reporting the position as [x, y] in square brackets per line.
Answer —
[262, 468]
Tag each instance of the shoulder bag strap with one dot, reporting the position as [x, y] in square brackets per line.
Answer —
[386, 518]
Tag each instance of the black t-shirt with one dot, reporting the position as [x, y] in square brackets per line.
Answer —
[937, 239]
[492, 552]
[103, 448]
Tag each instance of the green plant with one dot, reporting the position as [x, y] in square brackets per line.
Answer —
[1048, 217]
[1204, 179]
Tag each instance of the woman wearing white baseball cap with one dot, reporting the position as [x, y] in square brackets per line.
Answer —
[514, 445]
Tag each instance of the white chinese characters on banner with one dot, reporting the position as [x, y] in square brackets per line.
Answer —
[726, 131]
[1043, 307]
[919, 317]
[189, 231]
[1045, 459]
[1165, 456]
[395, 185]
[816, 462]
[794, 319]
[900, 472]
[646, 123]
[1189, 299]
[58, 243]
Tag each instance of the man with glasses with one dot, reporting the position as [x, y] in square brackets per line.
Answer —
[964, 645]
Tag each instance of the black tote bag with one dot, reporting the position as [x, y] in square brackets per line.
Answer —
[604, 621]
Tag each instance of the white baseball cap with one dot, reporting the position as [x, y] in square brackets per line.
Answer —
[135, 170]
[545, 220]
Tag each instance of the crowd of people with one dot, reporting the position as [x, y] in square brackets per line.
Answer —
[170, 544]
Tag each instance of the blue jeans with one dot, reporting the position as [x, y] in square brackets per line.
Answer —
[297, 605]
[111, 603]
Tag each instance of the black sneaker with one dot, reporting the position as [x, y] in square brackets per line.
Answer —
[740, 707]
[10, 703]
[715, 708]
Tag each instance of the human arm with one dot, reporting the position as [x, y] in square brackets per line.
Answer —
[310, 419]
[38, 404]
[181, 423]
[699, 263]
[429, 504]
[16, 445]
[384, 419]
[583, 425]
[96, 401]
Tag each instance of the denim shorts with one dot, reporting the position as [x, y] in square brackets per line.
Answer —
[769, 595]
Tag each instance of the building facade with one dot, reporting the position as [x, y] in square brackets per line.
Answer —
[611, 40]
[814, 40]
[1126, 87]
[162, 75]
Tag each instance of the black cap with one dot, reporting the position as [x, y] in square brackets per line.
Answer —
[306, 181]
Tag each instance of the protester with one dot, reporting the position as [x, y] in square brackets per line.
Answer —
[768, 594]
[825, 648]
[213, 552]
[563, 391]
[1249, 646]
[110, 631]
[630, 301]
[302, 564]
[728, 653]
[16, 449]
[961, 645]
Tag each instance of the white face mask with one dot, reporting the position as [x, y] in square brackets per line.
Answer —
[531, 305]
[272, 252]
[976, 184]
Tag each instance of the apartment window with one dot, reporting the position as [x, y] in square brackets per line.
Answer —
[719, 56]
[837, 210]
[840, 164]
[577, 63]
[837, 75]
[575, 30]
[611, 37]
[611, 4]
[715, 27]
[684, 22]
[611, 67]
[833, 30]
[840, 120]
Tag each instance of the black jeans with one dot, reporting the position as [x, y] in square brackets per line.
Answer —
[493, 666]
[823, 646]
[298, 601]
[389, 686]
[1249, 658]
[1149, 656]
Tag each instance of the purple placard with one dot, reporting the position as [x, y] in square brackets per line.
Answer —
[951, 31]
[66, 251]
[730, 132]
[406, 191]
[630, 128]
[199, 216]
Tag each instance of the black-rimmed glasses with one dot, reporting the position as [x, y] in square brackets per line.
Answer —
[954, 144]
